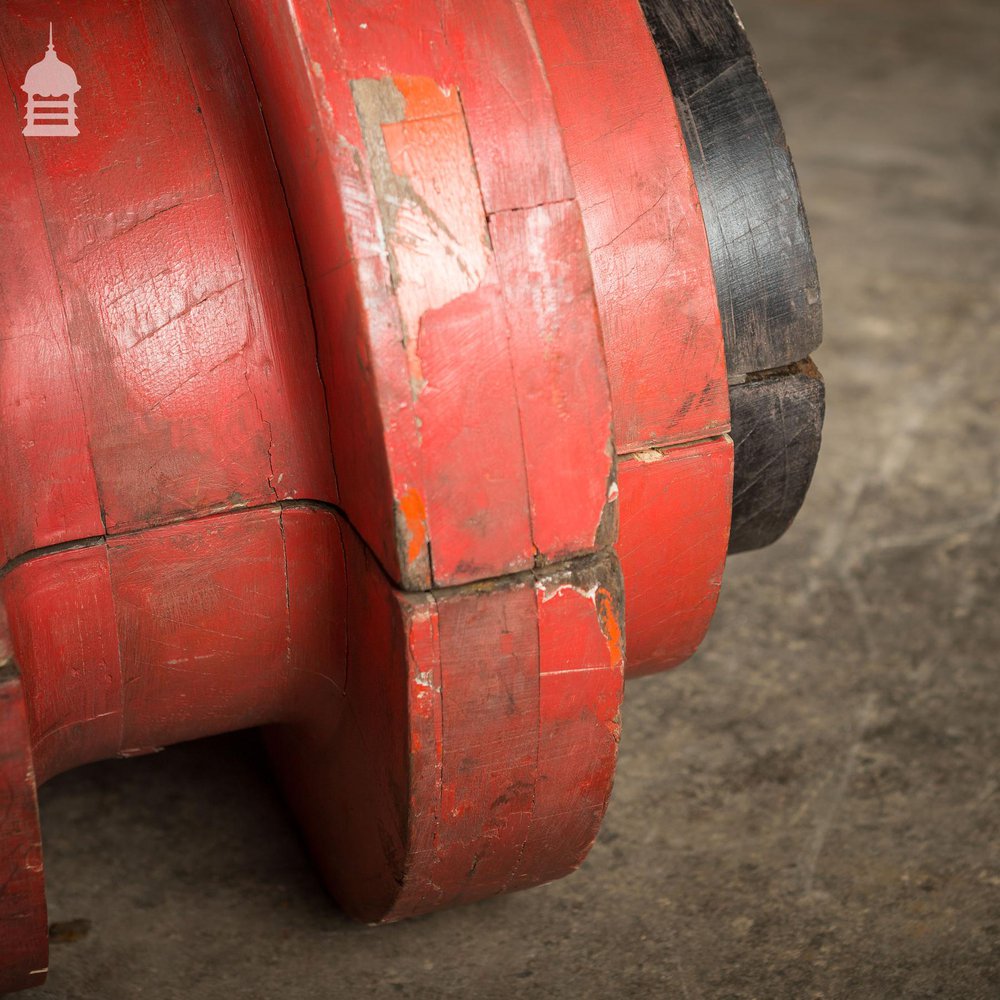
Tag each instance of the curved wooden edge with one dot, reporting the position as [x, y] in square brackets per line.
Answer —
[762, 258]
[765, 270]
[648, 251]
[478, 743]
[24, 939]
[663, 335]
[436, 747]
[446, 260]
[777, 429]
[675, 505]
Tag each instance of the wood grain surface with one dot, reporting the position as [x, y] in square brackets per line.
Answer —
[762, 258]
[478, 748]
[24, 938]
[183, 377]
[777, 427]
[656, 296]
[478, 437]
[675, 505]
[765, 271]
[479, 722]
[648, 251]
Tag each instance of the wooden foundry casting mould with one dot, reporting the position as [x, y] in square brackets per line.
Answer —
[394, 377]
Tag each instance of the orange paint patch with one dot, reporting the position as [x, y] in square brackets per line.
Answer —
[425, 98]
[610, 626]
[411, 503]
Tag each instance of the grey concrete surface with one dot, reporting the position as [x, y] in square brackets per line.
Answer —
[809, 808]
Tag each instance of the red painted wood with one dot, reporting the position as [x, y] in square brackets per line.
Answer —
[556, 354]
[515, 134]
[675, 507]
[280, 353]
[407, 269]
[63, 629]
[490, 722]
[657, 303]
[53, 497]
[182, 631]
[579, 701]
[467, 764]
[479, 722]
[439, 660]
[24, 939]
[188, 327]
[202, 622]
[648, 249]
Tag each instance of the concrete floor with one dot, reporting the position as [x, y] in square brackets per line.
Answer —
[808, 809]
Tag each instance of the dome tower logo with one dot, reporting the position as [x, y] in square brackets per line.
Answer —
[51, 87]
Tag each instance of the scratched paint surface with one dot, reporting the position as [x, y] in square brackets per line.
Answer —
[53, 497]
[428, 195]
[181, 631]
[417, 272]
[648, 249]
[453, 325]
[656, 297]
[478, 725]
[187, 362]
[479, 752]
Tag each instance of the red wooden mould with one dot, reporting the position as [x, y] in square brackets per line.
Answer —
[361, 378]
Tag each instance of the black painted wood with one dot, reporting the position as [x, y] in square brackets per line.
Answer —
[777, 421]
[762, 257]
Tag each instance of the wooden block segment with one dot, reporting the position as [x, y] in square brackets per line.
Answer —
[478, 750]
[24, 938]
[765, 271]
[207, 626]
[61, 614]
[648, 252]
[436, 747]
[515, 134]
[657, 302]
[182, 377]
[450, 284]
[777, 427]
[672, 544]
[53, 497]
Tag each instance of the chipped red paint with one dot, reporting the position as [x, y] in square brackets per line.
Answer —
[411, 503]
[516, 138]
[413, 262]
[453, 756]
[325, 442]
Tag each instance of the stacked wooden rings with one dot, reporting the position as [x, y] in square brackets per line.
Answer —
[369, 372]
